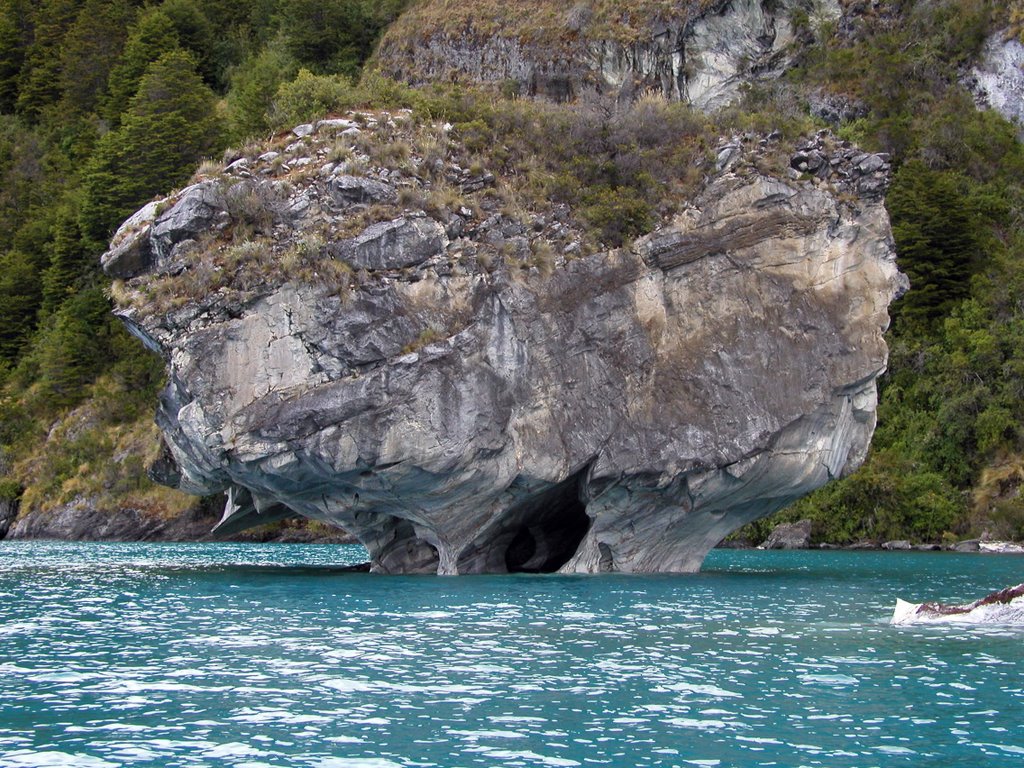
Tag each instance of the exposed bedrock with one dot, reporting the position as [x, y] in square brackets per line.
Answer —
[702, 53]
[997, 79]
[622, 413]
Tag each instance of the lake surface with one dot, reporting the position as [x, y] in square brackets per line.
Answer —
[254, 656]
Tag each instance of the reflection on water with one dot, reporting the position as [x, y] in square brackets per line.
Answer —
[267, 655]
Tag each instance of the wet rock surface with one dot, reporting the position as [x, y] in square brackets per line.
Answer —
[84, 521]
[8, 512]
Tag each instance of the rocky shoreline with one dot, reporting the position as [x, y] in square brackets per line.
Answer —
[798, 536]
[81, 521]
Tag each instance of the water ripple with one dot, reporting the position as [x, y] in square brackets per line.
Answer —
[256, 656]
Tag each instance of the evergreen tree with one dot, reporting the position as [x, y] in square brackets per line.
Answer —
[90, 49]
[253, 86]
[74, 347]
[195, 34]
[15, 30]
[153, 35]
[169, 126]
[40, 78]
[20, 295]
[327, 35]
[69, 258]
[936, 241]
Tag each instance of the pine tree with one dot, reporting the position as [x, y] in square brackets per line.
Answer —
[253, 85]
[195, 34]
[169, 126]
[15, 32]
[20, 295]
[327, 36]
[151, 37]
[40, 78]
[90, 49]
[70, 260]
[74, 346]
[936, 241]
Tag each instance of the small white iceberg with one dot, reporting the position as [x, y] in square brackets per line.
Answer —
[1003, 607]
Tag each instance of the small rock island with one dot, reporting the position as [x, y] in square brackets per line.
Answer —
[358, 330]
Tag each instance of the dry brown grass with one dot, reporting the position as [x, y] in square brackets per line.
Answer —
[540, 21]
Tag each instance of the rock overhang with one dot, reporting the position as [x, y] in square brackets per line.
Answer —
[623, 412]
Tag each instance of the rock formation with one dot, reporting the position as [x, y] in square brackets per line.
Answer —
[420, 384]
[789, 536]
[997, 80]
[700, 52]
[1005, 606]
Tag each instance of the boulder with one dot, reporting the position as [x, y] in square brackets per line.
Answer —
[968, 545]
[357, 189]
[131, 251]
[192, 213]
[789, 536]
[997, 80]
[396, 244]
[901, 545]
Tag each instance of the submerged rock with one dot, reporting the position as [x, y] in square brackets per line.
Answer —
[459, 412]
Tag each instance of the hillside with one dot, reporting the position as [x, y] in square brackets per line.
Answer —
[105, 104]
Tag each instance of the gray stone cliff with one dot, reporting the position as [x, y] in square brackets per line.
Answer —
[703, 53]
[462, 414]
[997, 80]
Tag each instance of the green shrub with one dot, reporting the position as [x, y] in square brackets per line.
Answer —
[309, 97]
[617, 215]
[10, 489]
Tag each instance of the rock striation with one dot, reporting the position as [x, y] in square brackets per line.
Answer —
[461, 409]
[700, 52]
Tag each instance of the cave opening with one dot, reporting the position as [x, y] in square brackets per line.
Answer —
[549, 529]
[539, 533]
[402, 551]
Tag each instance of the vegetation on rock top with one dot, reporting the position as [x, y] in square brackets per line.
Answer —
[545, 22]
[107, 103]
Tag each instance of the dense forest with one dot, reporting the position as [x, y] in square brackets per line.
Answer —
[105, 104]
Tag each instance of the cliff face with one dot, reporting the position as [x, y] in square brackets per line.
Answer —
[997, 80]
[461, 409]
[698, 52]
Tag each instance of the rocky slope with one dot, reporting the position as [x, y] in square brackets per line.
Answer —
[701, 52]
[470, 391]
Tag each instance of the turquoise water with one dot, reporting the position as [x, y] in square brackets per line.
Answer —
[266, 655]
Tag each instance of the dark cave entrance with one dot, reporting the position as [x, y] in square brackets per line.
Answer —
[548, 534]
[539, 534]
[405, 552]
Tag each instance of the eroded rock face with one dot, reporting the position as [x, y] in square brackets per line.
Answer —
[997, 80]
[624, 412]
[701, 53]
